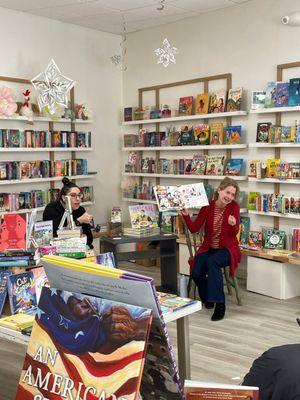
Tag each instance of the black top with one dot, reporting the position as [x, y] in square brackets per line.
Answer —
[277, 373]
[54, 211]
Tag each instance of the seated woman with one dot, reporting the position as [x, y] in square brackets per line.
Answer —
[55, 210]
[220, 247]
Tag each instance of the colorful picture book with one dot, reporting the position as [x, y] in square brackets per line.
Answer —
[263, 131]
[255, 239]
[282, 94]
[114, 284]
[273, 238]
[17, 322]
[198, 164]
[186, 105]
[22, 293]
[270, 94]
[43, 232]
[179, 197]
[294, 92]
[216, 133]
[201, 134]
[258, 99]
[40, 280]
[215, 165]
[195, 390]
[233, 134]
[13, 231]
[217, 101]
[143, 216]
[202, 103]
[234, 99]
[244, 230]
[96, 344]
[3, 287]
[233, 166]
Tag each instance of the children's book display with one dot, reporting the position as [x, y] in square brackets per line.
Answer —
[274, 168]
[143, 216]
[179, 197]
[195, 390]
[267, 132]
[22, 292]
[79, 334]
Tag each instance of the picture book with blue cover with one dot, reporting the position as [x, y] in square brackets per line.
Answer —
[22, 293]
[233, 166]
[294, 92]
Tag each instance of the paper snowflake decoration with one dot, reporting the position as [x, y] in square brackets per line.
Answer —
[52, 87]
[166, 54]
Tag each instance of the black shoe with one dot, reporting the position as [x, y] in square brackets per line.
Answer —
[219, 312]
[209, 304]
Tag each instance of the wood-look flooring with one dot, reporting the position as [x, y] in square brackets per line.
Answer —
[221, 351]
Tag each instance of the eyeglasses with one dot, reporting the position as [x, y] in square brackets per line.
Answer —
[76, 195]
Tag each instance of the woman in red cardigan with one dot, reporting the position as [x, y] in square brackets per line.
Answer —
[220, 247]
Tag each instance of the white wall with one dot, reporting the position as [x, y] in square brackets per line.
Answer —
[246, 40]
[27, 45]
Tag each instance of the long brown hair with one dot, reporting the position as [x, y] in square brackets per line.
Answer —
[224, 184]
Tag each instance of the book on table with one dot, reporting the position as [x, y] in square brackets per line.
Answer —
[121, 372]
[195, 390]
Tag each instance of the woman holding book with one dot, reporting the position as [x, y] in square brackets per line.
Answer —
[55, 210]
[220, 247]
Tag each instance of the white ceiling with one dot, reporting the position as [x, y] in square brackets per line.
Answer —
[108, 15]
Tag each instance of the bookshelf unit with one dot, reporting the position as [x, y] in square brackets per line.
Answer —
[18, 119]
[204, 118]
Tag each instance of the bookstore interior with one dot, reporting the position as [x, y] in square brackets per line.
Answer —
[103, 242]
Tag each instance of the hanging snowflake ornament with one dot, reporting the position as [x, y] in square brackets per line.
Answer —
[166, 54]
[52, 87]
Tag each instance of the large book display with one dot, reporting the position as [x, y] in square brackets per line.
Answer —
[90, 335]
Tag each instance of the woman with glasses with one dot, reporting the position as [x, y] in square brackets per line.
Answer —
[55, 210]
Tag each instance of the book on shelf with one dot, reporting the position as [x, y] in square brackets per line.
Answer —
[128, 113]
[255, 239]
[22, 293]
[270, 94]
[186, 135]
[202, 103]
[179, 197]
[252, 196]
[263, 132]
[198, 164]
[282, 94]
[234, 99]
[233, 166]
[196, 390]
[215, 165]
[126, 287]
[80, 338]
[258, 99]
[186, 105]
[17, 322]
[294, 92]
[233, 134]
[217, 101]
[201, 134]
[143, 215]
[13, 231]
[273, 238]
[244, 230]
[216, 133]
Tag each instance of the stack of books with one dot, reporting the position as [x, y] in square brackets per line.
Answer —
[17, 258]
[66, 233]
[18, 322]
[73, 247]
[140, 232]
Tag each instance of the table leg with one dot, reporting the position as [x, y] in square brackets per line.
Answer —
[183, 345]
[168, 266]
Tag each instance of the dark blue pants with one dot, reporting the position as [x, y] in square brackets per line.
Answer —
[207, 274]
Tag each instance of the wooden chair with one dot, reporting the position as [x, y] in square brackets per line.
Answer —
[231, 281]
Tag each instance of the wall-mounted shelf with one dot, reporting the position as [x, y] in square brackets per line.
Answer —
[274, 180]
[39, 209]
[21, 118]
[275, 110]
[50, 179]
[42, 149]
[186, 118]
[197, 147]
[272, 145]
[274, 214]
[195, 177]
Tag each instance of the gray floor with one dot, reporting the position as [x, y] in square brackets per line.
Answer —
[221, 351]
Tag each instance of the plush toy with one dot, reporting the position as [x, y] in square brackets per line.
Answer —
[8, 105]
[83, 112]
[26, 109]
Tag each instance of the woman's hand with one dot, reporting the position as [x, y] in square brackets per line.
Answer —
[85, 218]
[231, 220]
[185, 212]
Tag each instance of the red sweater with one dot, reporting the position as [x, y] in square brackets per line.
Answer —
[228, 237]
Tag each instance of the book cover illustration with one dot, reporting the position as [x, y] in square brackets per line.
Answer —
[244, 230]
[40, 280]
[258, 99]
[234, 99]
[270, 94]
[233, 166]
[195, 390]
[294, 92]
[233, 134]
[13, 231]
[198, 164]
[179, 197]
[186, 105]
[143, 215]
[17, 322]
[252, 196]
[282, 94]
[107, 259]
[202, 103]
[22, 293]
[171, 302]
[255, 239]
[217, 101]
[96, 346]
[215, 165]
[274, 238]
[263, 132]
[186, 135]
[4, 274]
[43, 232]
[216, 133]
[201, 134]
